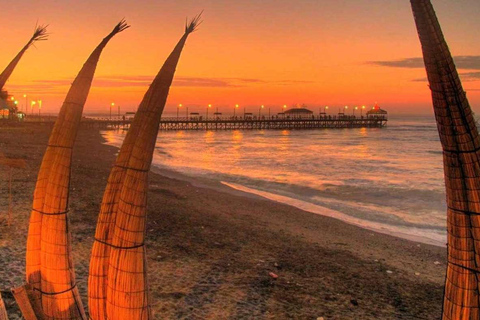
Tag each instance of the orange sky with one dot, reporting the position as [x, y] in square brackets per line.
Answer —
[271, 52]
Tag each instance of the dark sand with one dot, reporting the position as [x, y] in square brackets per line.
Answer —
[210, 251]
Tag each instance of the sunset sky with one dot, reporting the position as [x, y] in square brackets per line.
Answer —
[271, 52]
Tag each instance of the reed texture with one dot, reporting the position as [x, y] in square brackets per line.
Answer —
[118, 276]
[461, 155]
[50, 269]
[3, 310]
[40, 34]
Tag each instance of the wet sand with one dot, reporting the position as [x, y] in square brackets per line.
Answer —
[211, 249]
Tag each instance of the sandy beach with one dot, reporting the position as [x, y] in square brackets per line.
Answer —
[212, 250]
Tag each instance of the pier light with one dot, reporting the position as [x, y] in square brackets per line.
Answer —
[111, 106]
[16, 102]
[178, 109]
[260, 110]
[12, 98]
[209, 106]
[26, 102]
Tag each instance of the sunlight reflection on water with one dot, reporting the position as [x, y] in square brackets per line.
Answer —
[392, 176]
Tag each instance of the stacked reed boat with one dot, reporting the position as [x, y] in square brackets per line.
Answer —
[117, 285]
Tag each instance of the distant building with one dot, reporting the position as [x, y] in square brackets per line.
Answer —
[8, 107]
[298, 113]
[129, 115]
[377, 112]
[4, 110]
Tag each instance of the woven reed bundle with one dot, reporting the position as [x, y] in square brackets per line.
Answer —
[40, 34]
[50, 269]
[3, 310]
[117, 278]
[461, 150]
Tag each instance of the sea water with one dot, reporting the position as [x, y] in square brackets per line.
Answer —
[389, 179]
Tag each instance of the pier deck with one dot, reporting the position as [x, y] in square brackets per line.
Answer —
[252, 124]
[228, 123]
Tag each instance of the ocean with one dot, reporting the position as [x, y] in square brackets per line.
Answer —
[389, 180]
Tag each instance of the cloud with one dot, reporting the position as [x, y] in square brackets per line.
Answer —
[462, 62]
[470, 76]
[214, 82]
[179, 81]
[126, 81]
[36, 88]
[403, 63]
[465, 76]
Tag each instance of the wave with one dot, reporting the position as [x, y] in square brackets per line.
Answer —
[424, 235]
[387, 179]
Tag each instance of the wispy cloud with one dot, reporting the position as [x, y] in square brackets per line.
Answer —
[462, 62]
[465, 76]
[127, 81]
[470, 76]
[183, 81]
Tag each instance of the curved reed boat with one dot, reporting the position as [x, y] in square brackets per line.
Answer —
[117, 284]
[49, 266]
[461, 157]
[40, 34]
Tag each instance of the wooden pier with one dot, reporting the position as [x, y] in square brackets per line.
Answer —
[234, 123]
[238, 123]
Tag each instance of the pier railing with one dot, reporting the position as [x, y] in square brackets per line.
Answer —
[234, 122]
[254, 122]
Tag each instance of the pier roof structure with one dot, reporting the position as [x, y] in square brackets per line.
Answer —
[377, 111]
[298, 111]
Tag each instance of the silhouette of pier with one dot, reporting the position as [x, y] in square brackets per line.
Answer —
[251, 123]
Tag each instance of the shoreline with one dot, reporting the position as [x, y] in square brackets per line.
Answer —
[210, 252]
[244, 191]
[422, 235]
[226, 188]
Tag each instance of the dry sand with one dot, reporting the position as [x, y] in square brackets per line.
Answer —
[211, 249]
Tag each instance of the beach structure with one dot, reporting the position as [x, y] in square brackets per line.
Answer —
[377, 112]
[298, 113]
[39, 34]
[117, 285]
[9, 107]
[250, 122]
[51, 285]
[461, 155]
